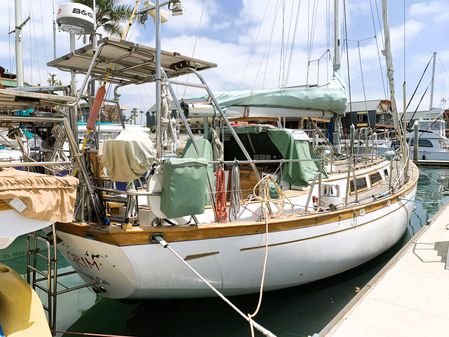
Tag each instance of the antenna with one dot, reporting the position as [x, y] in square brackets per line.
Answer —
[75, 18]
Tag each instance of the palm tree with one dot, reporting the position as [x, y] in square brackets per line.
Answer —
[109, 14]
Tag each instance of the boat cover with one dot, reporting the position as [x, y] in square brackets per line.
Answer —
[183, 183]
[46, 197]
[296, 173]
[129, 155]
[329, 97]
[206, 152]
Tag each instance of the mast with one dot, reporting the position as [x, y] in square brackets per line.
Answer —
[54, 29]
[19, 47]
[390, 69]
[336, 62]
[433, 80]
[336, 67]
[158, 80]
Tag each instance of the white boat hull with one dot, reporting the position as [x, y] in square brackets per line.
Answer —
[13, 224]
[234, 264]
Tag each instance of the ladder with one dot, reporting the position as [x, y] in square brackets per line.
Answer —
[42, 271]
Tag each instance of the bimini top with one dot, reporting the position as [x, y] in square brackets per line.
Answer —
[125, 62]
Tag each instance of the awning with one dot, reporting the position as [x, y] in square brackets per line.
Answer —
[11, 99]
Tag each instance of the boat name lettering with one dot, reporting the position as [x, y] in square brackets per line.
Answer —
[82, 261]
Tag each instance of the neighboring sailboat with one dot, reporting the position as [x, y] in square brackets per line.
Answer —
[311, 224]
[31, 201]
[432, 143]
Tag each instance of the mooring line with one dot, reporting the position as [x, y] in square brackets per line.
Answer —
[259, 327]
[431, 178]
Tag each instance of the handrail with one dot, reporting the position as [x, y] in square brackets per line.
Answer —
[86, 78]
[309, 196]
[33, 163]
[225, 118]
[189, 131]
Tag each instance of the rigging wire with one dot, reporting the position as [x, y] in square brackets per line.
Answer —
[281, 54]
[267, 3]
[347, 54]
[9, 35]
[362, 78]
[419, 82]
[417, 107]
[36, 45]
[47, 51]
[196, 40]
[268, 50]
[311, 36]
[288, 41]
[378, 49]
[379, 22]
[292, 43]
[31, 44]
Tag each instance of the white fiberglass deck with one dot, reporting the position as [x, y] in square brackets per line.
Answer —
[408, 298]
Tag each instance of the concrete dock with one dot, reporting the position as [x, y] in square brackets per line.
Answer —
[409, 296]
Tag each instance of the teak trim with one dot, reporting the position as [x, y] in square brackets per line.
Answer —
[140, 236]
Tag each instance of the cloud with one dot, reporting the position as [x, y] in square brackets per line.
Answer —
[193, 12]
[436, 12]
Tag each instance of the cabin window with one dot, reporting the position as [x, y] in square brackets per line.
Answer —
[386, 173]
[375, 178]
[425, 143]
[360, 183]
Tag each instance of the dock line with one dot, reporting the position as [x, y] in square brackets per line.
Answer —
[256, 325]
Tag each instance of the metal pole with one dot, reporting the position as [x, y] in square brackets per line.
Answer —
[433, 80]
[54, 29]
[158, 81]
[19, 47]
[336, 35]
[415, 141]
[351, 150]
[74, 112]
[94, 37]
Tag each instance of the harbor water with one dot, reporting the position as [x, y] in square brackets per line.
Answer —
[299, 311]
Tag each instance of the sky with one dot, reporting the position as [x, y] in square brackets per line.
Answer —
[266, 44]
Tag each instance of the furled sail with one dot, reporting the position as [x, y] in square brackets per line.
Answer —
[328, 97]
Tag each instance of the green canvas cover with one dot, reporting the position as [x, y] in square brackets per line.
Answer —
[183, 187]
[206, 151]
[295, 173]
[329, 97]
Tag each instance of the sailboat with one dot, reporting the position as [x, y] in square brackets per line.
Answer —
[29, 201]
[253, 204]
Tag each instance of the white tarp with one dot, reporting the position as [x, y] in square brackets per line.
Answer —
[129, 155]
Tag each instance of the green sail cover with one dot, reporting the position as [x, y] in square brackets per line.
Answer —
[329, 97]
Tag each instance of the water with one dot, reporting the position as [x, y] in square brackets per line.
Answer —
[299, 311]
